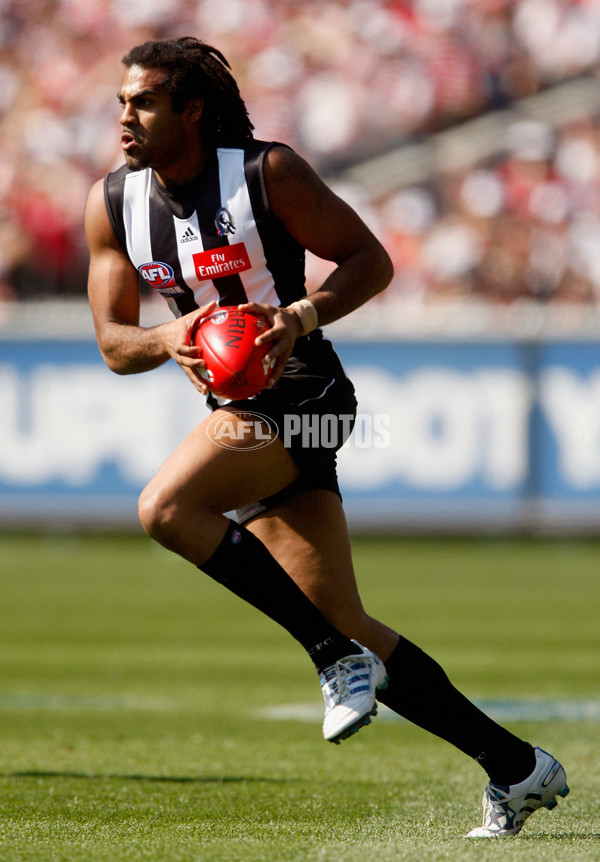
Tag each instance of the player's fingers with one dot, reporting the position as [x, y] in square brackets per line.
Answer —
[196, 373]
[274, 334]
[201, 312]
[282, 329]
[268, 312]
[258, 308]
[278, 354]
[279, 344]
[279, 365]
[196, 380]
[194, 317]
[190, 351]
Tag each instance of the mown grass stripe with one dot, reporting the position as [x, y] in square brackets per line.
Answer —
[500, 710]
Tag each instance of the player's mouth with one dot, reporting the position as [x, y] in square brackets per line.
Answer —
[129, 141]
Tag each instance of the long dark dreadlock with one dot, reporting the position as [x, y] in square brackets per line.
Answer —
[197, 70]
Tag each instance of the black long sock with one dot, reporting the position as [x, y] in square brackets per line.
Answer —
[244, 565]
[420, 691]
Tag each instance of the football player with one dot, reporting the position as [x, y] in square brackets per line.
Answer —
[207, 215]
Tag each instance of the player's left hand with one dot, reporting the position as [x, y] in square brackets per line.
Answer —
[284, 329]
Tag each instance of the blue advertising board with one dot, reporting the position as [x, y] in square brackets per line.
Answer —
[494, 433]
[453, 435]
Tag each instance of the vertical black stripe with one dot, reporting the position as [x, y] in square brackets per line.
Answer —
[163, 241]
[285, 257]
[230, 287]
[114, 194]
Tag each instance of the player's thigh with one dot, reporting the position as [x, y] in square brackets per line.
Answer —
[224, 463]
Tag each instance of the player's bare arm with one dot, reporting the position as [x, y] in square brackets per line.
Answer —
[323, 223]
[328, 227]
[113, 289]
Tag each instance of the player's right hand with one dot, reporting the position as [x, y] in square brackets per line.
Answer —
[177, 337]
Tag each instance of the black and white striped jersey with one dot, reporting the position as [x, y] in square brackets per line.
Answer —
[213, 239]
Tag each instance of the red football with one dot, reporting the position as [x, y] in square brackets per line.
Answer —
[235, 366]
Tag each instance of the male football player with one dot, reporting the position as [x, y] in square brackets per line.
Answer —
[198, 192]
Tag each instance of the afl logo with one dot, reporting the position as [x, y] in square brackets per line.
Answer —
[157, 274]
[241, 430]
[218, 317]
[224, 222]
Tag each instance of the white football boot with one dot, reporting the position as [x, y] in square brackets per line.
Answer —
[349, 688]
[505, 809]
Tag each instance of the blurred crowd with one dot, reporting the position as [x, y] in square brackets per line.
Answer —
[340, 81]
[522, 225]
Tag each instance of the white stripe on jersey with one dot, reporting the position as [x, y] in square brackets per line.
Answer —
[257, 281]
[189, 243]
[136, 215]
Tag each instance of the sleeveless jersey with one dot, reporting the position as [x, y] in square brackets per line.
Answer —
[213, 239]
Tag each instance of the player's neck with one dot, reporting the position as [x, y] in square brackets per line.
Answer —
[183, 172]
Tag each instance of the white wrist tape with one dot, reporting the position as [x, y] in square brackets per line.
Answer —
[307, 314]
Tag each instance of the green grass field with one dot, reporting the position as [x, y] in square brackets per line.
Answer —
[137, 704]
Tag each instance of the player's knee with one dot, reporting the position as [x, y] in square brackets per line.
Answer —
[157, 516]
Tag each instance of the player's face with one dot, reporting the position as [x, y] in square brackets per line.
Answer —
[152, 131]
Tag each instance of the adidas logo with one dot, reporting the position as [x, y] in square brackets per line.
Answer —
[189, 236]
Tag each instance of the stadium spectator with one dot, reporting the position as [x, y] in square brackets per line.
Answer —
[339, 80]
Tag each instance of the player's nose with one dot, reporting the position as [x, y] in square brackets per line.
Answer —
[128, 116]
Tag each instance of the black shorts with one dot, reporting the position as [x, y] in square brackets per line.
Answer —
[312, 409]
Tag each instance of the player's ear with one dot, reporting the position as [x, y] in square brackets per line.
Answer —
[193, 110]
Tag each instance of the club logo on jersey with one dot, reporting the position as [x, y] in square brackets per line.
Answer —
[157, 274]
[217, 262]
[224, 222]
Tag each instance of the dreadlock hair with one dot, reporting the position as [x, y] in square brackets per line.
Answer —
[197, 70]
